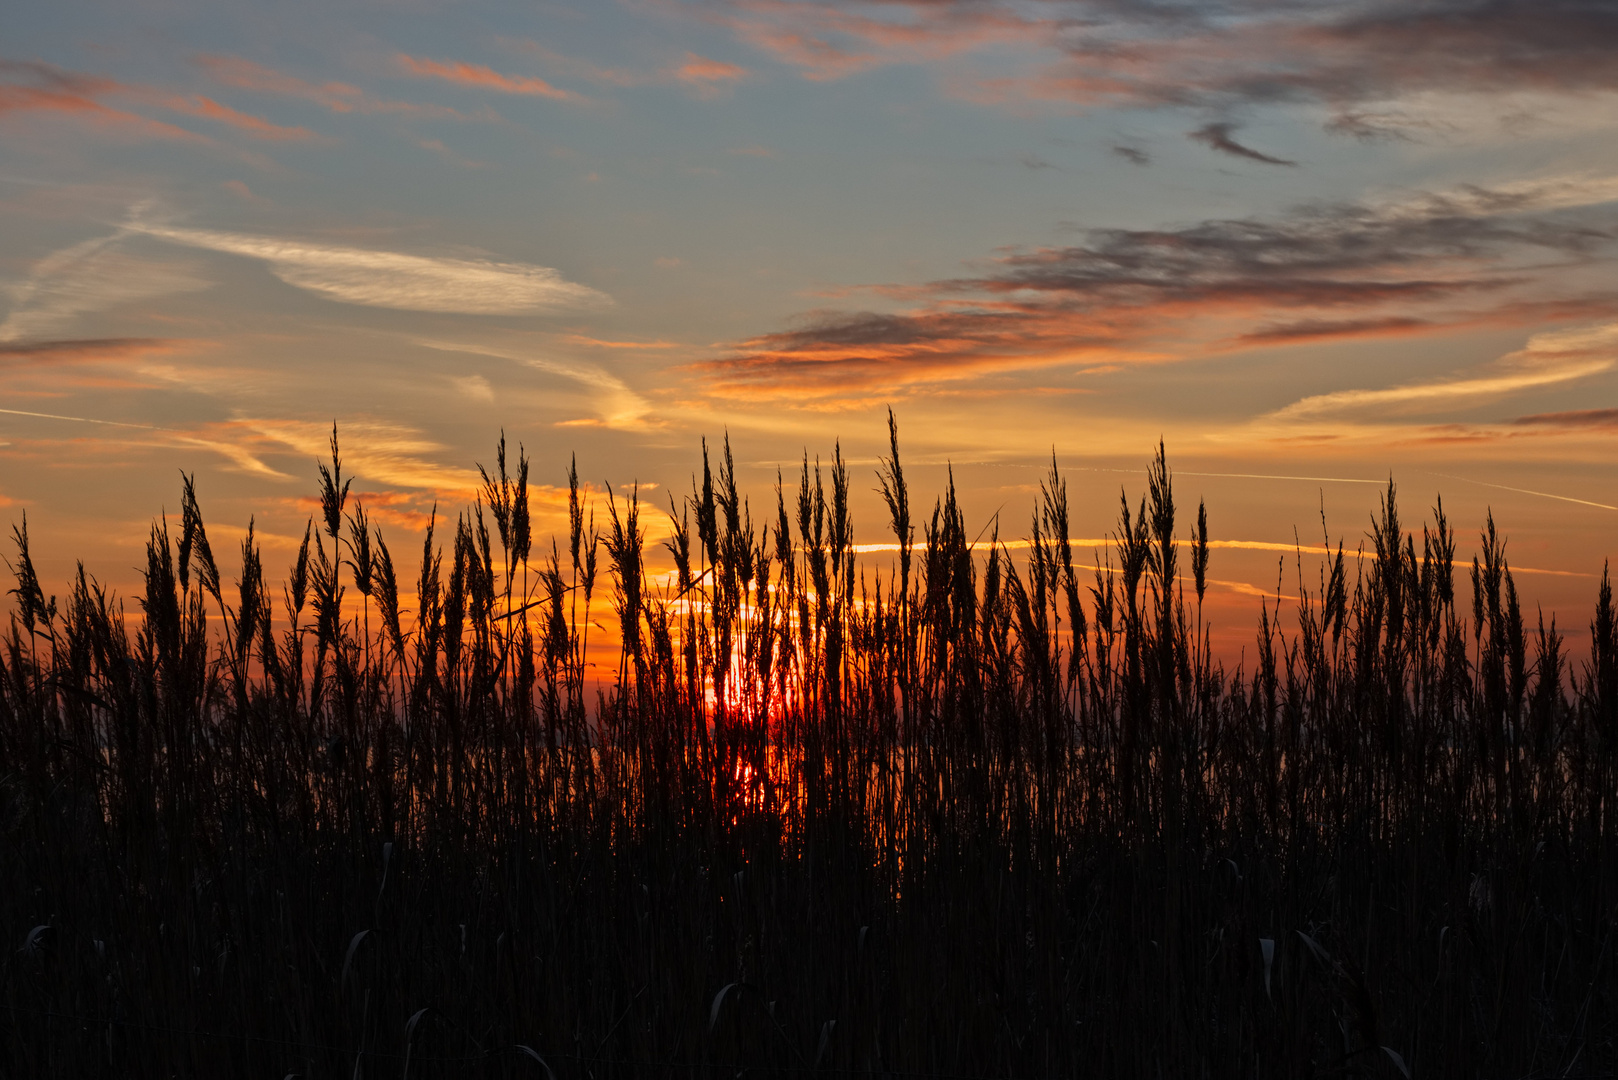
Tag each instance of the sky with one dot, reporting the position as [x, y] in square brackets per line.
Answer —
[1309, 246]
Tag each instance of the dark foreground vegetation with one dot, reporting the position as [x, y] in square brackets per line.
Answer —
[984, 813]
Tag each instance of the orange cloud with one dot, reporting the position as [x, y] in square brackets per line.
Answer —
[1137, 296]
[337, 97]
[1097, 53]
[702, 76]
[477, 75]
[209, 109]
[708, 76]
[247, 75]
[23, 99]
[55, 369]
[580, 339]
[1579, 419]
[84, 349]
[49, 88]
[828, 41]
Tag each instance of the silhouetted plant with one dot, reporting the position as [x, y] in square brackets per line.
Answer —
[946, 812]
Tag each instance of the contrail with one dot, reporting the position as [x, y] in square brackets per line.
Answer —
[1136, 472]
[81, 419]
[1273, 476]
[1522, 491]
[1239, 475]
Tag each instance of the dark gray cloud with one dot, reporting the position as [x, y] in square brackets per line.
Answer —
[13, 353]
[1340, 54]
[1579, 418]
[1217, 136]
[1354, 58]
[1133, 155]
[1320, 272]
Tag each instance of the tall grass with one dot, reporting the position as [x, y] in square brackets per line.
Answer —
[957, 811]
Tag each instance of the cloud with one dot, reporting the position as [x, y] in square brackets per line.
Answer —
[1133, 155]
[209, 109]
[336, 97]
[33, 86]
[483, 78]
[77, 350]
[1325, 329]
[1548, 358]
[708, 77]
[77, 419]
[1603, 419]
[240, 189]
[437, 146]
[835, 40]
[617, 404]
[581, 339]
[702, 76]
[1468, 257]
[1351, 59]
[1217, 136]
[475, 387]
[393, 279]
[247, 75]
[93, 275]
[375, 451]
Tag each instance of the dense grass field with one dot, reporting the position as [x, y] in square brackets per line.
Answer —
[958, 809]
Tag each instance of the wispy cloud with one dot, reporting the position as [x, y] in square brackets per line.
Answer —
[75, 350]
[483, 78]
[1129, 295]
[702, 76]
[1601, 419]
[376, 452]
[248, 75]
[27, 87]
[90, 276]
[209, 109]
[617, 405]
[581, 339]
[32, 86]
[475, 387]
[1548, 358]
[1538, 494]
[335, 96]
[1353, 60]
[708, 77]
[77, 419]
[1219, 136]
[835, 40]
[392, 279]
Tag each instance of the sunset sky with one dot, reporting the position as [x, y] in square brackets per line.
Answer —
[1309, 245]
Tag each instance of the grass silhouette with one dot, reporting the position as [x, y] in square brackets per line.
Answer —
[981, 816]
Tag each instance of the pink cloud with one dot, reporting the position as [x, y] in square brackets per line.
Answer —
[49, 89]
[338, 97]
[247, 75]
[1147, 296]
[209, 109]
[42, 87]
[476, 75]
[708, 75]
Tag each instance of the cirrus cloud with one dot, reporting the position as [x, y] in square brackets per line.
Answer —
[1548, 358]
[481, 77]
[392, 279]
